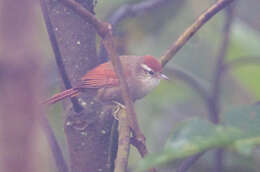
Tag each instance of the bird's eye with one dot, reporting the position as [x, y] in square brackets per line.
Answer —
[151, 72]
[147, 69]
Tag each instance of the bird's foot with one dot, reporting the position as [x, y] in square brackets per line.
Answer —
[118, 107]
[119, 104]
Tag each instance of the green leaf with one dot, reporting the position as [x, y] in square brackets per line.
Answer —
[245, 146]
[240, 131]
[245, 42]
[190, 138]
[247, 119]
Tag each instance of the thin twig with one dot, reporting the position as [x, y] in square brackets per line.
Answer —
[214, 99]
[257, 103]
[239, 62]
[214, 108]
[185, 165]
[214, 102]
[138, 135]
[56, 50]
[190, 31]
[130, 10]
[123, 143]
[102, 28]
[131, 115]
[55, 148]
[191, 81]
[110, 47]
[142, 149]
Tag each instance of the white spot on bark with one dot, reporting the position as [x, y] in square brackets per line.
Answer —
[84, 133]
[83, 103]
[68, 123]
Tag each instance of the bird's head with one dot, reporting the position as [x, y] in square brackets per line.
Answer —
[151, 73]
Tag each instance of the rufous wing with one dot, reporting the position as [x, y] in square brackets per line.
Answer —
[99, 77]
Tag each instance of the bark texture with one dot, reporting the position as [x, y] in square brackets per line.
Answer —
[88, 132]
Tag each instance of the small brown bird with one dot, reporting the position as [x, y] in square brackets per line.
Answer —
[143, 73]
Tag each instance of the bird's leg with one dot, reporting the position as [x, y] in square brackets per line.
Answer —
[118, 107]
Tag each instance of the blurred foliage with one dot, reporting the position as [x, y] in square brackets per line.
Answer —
[240, 131]
[245, 42]
[161, 114]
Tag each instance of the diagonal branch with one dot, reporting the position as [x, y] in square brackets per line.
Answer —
[191, 81]
[131, 10]
[111, 49]
[185, 165]
[102, 28]
[128, 10]
[142, 149]
[213, 102]
[190, 31]
[131, 115]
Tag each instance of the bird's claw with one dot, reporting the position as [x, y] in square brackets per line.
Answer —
[119, 104]
[118, 107]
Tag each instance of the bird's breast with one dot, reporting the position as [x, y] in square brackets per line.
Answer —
[143, 87]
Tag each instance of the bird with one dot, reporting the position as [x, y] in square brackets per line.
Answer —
[142, 74]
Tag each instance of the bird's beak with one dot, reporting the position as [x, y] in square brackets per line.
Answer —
[164, 76]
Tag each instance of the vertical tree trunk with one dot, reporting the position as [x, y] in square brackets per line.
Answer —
[88, 132]
[20, 86]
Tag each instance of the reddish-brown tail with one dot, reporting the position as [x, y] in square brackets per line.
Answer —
[60, 96]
